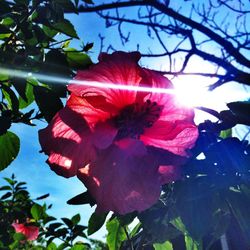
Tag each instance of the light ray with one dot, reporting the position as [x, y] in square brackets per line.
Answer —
[196, 97]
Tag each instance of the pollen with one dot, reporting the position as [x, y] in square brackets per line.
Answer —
[133, 119]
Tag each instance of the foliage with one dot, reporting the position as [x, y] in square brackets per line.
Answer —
[17, 205]
[211, 200]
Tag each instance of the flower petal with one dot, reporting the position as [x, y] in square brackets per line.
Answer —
[31, 232]
[175, 137]
[118, 68]
[64, 140]
[178, 141]
[89, 113]
[19, 227]
[122, 183]
[169, 173]
[103, 135]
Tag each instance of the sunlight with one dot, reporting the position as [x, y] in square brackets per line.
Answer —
[191, 91]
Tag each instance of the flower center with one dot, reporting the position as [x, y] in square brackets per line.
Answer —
[134, 118]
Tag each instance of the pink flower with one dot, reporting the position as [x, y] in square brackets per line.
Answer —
[30, 232]
[123, 145]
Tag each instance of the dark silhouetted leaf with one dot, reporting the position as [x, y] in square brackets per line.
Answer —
[4, 29]
[42, 197]
[20, 86]
[88, 1]
[67, 222]
[67, 5]
[96, 221]
[5, 123]
[76, 219]
[239, 204]
[9, 148]
[55, 225]
[83, 198]
[241, 110]
[88, 46]
[6, 196]
[48, 102]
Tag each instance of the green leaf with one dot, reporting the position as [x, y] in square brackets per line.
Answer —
[190, 243]
[76, 219]
[3, 188]
[19, 236]
[4, 75]
[96, 221]
[66, 27]
[10, 96]
[78, 247]
[179, 224]
[135, 230]
[76, 59]
[52, 246]
[28, 93]
[9, 148]
[164, 246]
[226, 133]
[49, 32]
[48, 102]
[7, 21]
[36, 212]
[116, 234]
[11, 181]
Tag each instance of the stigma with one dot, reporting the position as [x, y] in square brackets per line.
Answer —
[134, 118]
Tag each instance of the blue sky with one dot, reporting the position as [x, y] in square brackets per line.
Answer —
[30, 165]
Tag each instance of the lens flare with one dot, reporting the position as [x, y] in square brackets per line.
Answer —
[186, 95]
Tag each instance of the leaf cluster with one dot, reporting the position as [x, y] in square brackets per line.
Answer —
[16, 205]
[36, 64]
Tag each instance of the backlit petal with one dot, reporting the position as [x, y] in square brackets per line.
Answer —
[122, 183]
[120, 68]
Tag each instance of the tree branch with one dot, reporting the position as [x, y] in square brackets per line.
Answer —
[228, 46]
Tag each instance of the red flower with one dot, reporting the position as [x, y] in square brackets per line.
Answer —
[122, 144]
[30, 232]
